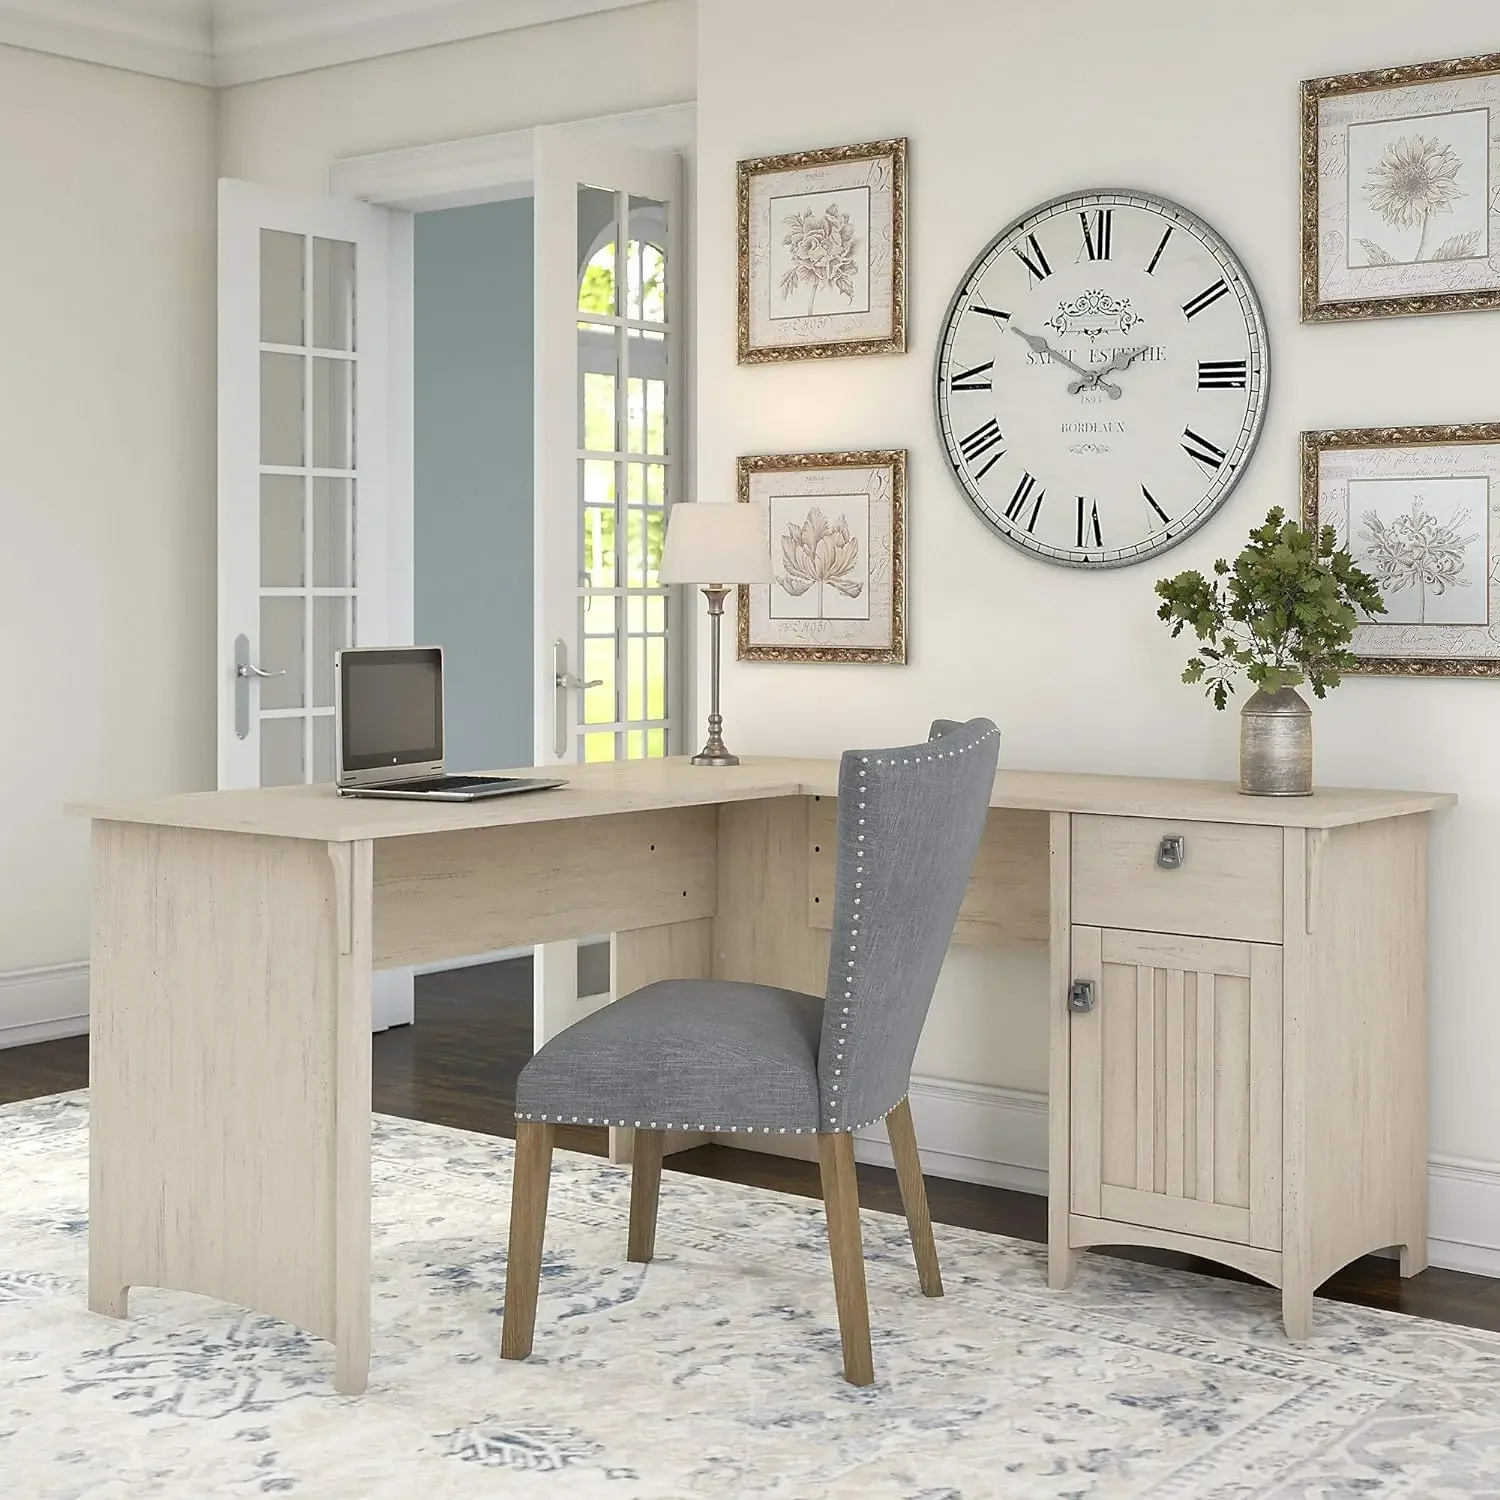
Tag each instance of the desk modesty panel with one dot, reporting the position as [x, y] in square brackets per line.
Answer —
[1247, 1079]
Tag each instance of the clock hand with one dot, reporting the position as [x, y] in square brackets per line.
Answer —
[1040, 345]
[1119, 362]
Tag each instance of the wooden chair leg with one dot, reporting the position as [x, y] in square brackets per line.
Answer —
[903, 1137]
[847, 1252]
[528, 1223]
[645, 1189]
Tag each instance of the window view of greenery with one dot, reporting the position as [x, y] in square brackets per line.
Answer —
[623, 494]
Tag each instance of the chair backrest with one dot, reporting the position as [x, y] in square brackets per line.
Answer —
[909, 825]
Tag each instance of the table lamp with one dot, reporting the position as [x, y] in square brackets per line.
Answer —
[716, 546]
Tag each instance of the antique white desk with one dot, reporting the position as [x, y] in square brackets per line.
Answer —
[1246, 1078]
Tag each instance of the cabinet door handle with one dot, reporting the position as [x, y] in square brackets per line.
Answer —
[1171, 853]
[1081, 996]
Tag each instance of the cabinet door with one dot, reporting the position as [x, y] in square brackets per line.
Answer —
[1176, 1085]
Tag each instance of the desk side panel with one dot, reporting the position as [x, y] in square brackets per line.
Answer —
[212, 1052]
[478, 890]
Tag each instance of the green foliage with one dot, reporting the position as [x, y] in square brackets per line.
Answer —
[1284, 614]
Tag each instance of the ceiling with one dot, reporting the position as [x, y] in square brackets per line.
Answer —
[224, 42]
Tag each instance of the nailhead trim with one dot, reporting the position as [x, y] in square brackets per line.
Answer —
[718, 1129]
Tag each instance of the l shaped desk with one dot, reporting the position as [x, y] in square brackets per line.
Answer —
[1238, 1018]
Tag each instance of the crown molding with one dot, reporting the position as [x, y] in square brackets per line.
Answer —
[259, 39]
[172, 41]
[226, 42]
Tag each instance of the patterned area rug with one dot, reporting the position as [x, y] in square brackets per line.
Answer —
[713, 1372]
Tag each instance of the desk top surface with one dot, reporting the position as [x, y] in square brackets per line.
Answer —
[316, 812]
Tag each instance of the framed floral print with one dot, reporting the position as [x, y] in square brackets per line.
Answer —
[822, 269]
[1419, 510]
[837, 536]
[1401, 190]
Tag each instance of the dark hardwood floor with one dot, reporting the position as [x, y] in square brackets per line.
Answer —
[457, 1066]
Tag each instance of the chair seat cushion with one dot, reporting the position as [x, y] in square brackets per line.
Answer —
[684, 1054]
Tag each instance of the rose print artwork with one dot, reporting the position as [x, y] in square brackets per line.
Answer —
[822, 253]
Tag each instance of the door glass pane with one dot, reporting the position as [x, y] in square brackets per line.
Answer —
[598, 410]
[598, 274]
[599, 746]
[281, 410]
[333, 294]
[646, 263]
[333, 413]
[330, 625]
[281, 752]
[281, 641]
[656, 677]
[599, 704]
[323, 766]
[282, 549]
[281, 299]
[333, 531]
[635, 677]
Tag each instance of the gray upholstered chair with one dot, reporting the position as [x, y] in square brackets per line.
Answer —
[708, 1054]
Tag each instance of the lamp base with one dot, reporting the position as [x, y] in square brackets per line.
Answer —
[715, 752]
[723, 758]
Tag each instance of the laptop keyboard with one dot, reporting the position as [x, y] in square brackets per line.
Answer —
[451, 783]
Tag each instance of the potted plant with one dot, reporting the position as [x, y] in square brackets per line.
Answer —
[1283, 614]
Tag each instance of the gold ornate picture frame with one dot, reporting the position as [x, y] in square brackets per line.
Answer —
[822, 253]
[837, 538]
[1419, 509]
[1401, 191]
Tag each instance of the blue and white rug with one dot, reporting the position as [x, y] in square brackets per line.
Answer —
[712, 1372]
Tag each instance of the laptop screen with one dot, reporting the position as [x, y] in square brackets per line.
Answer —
[390, 708]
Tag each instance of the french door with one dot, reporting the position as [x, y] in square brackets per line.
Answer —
[303, 380]
[609, 463]
[304, 441]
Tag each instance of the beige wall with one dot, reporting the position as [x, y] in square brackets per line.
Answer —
[106, 469]
[1005, 106]
[287, 131]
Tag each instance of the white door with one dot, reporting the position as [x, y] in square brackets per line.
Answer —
[305, 435]
[303, 391]
[609, 460]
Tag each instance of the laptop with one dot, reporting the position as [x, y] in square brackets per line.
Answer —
[388, 707]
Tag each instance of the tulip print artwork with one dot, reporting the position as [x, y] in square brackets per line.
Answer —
[822, 557]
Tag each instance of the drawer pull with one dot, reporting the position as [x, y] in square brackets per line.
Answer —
[1081, 996]
[1171, 853]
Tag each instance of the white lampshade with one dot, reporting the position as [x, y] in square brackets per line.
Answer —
[721, 542]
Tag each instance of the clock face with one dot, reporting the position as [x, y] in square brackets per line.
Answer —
[1101, 378]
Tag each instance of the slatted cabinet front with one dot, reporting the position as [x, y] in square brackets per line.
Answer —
[1176, 1084]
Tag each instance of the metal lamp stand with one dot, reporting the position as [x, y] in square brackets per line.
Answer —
[714, 751]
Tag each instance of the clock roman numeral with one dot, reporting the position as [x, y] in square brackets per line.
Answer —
[1036, 261]
[1161, 245]
[1206, 298]
[991, 312]
[1089, 534]
[981, 441]
[1026, 490]
[1210, 455]
[1222, 374]
[968, 380]
[1098, 232]
[1151, 501]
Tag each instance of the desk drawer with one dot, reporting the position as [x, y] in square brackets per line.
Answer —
[1227, 886]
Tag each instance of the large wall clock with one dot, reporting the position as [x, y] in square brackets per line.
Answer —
[1102, 378]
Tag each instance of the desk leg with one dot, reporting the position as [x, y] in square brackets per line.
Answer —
[229, 1048]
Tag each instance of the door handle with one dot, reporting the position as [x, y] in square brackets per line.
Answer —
[245, 672]
[563, 683]
[1081, 996]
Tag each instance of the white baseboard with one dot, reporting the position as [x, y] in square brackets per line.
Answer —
[972, 1132]
[1463, 1214]
[38, 1005]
